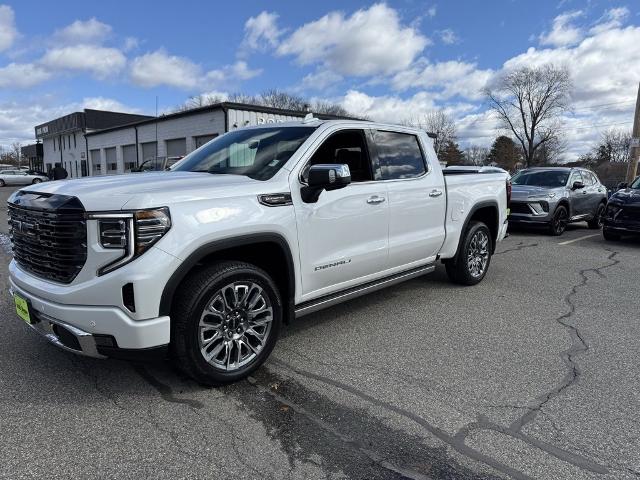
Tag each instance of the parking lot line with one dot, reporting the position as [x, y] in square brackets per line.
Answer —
[578, 239]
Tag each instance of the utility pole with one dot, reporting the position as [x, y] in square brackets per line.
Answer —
[632, 170]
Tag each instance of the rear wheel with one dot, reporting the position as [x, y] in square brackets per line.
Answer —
[225, 322]
[559, 222]
[2, 184]
[36, 180]
[610, 236]
[596, 222]
[472, 262]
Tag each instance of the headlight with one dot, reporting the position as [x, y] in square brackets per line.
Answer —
[612, 210]
[134, 232]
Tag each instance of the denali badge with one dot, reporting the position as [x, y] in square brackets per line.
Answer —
[334, 264]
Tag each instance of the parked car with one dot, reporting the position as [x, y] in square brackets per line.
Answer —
[259, 226]
[622, 216]
[556, 196]
[20, 177]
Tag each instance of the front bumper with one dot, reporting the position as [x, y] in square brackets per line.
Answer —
[623, 228]
[93, 331]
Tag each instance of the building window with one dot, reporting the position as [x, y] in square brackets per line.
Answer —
[54, 144]
[112, 159]
[96, 166]
[75, 144]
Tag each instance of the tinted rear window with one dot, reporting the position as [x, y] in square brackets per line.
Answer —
[400, 155]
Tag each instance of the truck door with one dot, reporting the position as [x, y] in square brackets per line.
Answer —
[417, 199]
[343, 237]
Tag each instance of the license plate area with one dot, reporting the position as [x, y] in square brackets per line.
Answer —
[22, 308]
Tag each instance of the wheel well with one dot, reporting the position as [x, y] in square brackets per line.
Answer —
[565, 204]
[271, 256]
[489, 216]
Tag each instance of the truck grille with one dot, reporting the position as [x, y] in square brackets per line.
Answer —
[49, 243]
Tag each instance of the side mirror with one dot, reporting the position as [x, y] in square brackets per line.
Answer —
[622, 185]
[328, 176]
[577, 185]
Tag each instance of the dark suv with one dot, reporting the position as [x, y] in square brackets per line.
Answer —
[622, 216]
[556, 196]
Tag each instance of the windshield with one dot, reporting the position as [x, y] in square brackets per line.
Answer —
[257, 153]
[635, 184]
[545, 178]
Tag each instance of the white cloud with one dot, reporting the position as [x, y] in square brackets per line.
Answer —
[261, 32]
[563, 33]
[130, 43]
[160, 68]
[448, 79]
[22, 75]
[369, 42]
[448, 36]
[431, 12]
[319, 80]
[110, 104]
[612, 18]
[8, 31]
[83, 32]
[100, 61]
[387, 108]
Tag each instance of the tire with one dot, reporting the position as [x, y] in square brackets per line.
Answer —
[596, 222]
[559, 222]
[610, 236]
[472, 261]
[197, 330]
[36, 181]
[2, 184]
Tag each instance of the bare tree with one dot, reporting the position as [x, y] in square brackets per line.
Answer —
[615, 146]
[528, 102]
[16, 152]
[437, 122]
[476, 155]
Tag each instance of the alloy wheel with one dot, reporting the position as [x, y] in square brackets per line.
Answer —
[235, 325]
[560, 221]
[478, 254]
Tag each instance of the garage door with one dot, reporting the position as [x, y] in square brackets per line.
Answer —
[112, 159]
[149, 151]
[177, 147]
[96, 167]
[129, 157]
[202, 139]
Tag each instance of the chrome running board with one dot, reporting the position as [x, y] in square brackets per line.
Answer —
[327, 301]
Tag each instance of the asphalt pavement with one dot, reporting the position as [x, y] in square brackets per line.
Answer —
[531, 374]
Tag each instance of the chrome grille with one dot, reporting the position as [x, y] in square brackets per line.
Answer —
[51, 244]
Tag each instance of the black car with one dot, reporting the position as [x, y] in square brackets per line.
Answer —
[622, 216]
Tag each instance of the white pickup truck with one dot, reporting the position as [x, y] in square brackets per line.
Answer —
[257, 227]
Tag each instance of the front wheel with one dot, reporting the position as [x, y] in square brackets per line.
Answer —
[36, 181]
[559, 221]
[225, 322]
[2, 184]
[472, 262]
[596, 222]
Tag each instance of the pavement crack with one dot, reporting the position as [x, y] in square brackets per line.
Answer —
[520, 246]
[456, 442]
[578, 345]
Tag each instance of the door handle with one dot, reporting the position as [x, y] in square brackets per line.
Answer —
[375, 200]
[435, 193]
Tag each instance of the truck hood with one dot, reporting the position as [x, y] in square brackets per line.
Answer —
[139, 190]
[522, 192]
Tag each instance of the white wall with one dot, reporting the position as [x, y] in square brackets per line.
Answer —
[70, 154]
[243, 118]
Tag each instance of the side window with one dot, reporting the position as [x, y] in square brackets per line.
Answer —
[575, 177]
[588, 178]
[346, 147]
[400, 155]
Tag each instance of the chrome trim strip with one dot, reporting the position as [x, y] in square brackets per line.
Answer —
[335, 298]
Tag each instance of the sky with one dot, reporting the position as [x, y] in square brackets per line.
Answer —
[390, 61]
